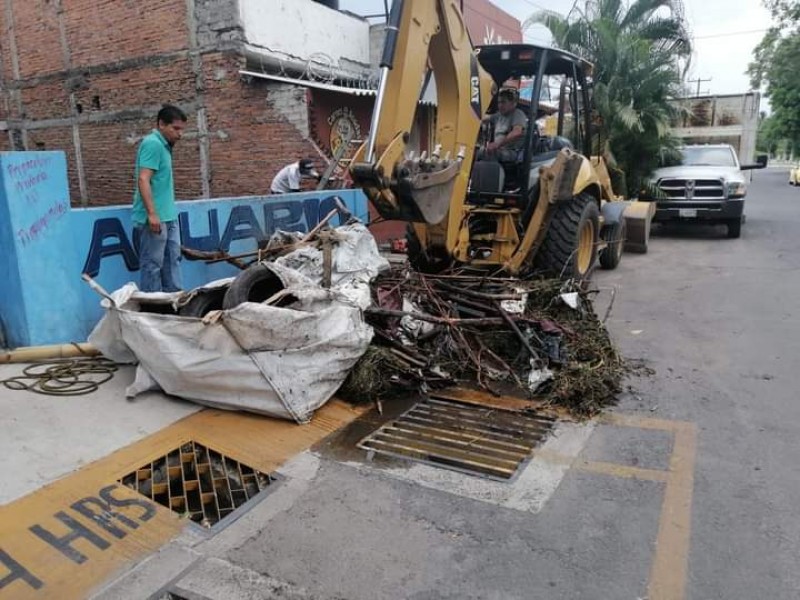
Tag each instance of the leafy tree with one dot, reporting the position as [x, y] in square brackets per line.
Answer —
[769, 138]
[640, 51]
[775, 66]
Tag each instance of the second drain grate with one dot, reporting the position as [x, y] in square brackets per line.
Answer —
[476, 440]
[198, 482]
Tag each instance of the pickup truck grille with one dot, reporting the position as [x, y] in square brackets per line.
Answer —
[693, 189]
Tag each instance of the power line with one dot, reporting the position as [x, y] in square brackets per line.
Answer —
[729, 34]
[539, 6]
[698, 80]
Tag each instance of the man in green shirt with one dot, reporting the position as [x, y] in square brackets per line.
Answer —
[155, 214]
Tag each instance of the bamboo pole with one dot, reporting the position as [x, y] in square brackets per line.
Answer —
[34, 353]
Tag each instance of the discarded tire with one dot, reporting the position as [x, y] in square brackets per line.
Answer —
[158, 308]
[419, 259]
[569, 248]
[257, 283]
[203, 303]
[614, 236]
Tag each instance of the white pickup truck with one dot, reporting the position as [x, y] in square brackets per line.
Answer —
[707, 185]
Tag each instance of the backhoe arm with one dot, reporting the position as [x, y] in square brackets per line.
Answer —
[424, 188]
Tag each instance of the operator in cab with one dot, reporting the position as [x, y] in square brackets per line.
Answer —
[508, 124]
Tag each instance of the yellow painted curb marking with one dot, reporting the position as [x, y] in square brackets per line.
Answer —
[669, 571]
[67, 538]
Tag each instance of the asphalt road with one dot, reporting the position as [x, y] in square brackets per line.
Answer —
[719, 321]
[689, 492]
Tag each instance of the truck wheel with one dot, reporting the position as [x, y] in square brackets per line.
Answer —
[419, 260]
[614, 236]
[734, 228]
[569, 247]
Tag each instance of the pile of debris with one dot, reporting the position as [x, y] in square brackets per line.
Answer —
[540, 337]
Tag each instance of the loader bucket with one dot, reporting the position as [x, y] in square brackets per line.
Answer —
[638, 217]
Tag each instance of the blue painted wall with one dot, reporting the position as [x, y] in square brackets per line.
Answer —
[46, 245]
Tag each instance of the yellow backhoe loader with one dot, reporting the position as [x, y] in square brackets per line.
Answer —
[549, 208]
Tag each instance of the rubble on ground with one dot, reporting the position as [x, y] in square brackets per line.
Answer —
[538, 337]
[298, 318]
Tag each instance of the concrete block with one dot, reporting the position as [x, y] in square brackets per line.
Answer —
[216, 579]
[151, 575]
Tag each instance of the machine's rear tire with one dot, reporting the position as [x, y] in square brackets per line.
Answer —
[614, 236]
[569, 247]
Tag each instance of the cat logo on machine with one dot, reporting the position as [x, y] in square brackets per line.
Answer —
[475, 88]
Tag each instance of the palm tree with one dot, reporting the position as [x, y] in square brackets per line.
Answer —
[640, 51]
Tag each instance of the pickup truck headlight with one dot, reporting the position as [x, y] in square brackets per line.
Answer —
[736, 189]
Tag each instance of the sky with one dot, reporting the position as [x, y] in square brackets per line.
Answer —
[725, 32]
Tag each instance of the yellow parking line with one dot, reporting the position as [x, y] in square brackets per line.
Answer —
[669, 571]
[623, 471]
[602, 468]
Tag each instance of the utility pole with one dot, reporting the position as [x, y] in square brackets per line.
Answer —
[699, 81]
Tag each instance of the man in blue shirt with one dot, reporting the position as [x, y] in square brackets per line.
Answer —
[155, 215]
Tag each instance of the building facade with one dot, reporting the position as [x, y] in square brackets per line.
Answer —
[264, 82]
[720, 119]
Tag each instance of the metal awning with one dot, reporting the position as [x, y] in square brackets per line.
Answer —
[313, 84]
[428, 97]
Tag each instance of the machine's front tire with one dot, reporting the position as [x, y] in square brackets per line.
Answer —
[569, 249]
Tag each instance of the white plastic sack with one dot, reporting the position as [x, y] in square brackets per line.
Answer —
[283, 362]
[356, 262]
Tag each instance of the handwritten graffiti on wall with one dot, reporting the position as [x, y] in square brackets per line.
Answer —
[245, 222]
[30, 182]
[28, 175]
[31, 233]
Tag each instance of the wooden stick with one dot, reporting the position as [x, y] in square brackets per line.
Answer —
[220, 256]
[385, 312]
[214, 257]
[481, 295]
[327, 260]
[507, 318]
[319, 226]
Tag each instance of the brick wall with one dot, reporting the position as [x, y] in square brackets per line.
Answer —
[100, 32]
[37, 37]
[98, 70]
[59, 138]
[250, 138]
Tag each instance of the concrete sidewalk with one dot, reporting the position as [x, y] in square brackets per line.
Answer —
[43, 438]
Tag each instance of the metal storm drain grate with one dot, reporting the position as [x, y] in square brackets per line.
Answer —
[476, 440]
[198, 482]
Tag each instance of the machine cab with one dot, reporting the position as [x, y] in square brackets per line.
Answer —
[552, 89]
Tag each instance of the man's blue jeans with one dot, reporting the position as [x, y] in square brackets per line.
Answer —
[159, 254]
